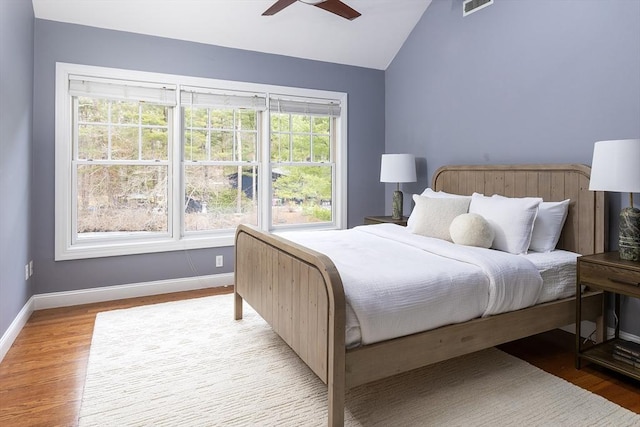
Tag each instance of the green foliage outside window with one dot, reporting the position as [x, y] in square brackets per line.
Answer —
[116, 198]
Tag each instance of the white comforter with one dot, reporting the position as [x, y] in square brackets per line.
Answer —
[399, 283]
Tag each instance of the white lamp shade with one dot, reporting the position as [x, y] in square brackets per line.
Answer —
[398, 168]
[616, 166]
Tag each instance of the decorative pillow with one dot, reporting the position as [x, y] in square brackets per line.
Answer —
[511, 219]
[428, 192]
[471, 229]
[432, 216]
[548, 225]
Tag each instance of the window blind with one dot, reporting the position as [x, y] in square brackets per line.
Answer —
[122, 90]
[310, 107]
[231, 100]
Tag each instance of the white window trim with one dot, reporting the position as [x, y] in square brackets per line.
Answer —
[64, 247]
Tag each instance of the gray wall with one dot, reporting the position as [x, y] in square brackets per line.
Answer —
[527, 81]
[59, 42]
[521, 81]
[16, 106]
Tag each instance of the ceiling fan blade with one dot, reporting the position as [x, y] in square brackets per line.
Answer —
[339, 8]
[277, 7]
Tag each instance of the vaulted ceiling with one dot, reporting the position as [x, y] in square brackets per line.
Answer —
[300, 30]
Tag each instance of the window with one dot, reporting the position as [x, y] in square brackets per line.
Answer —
[221, 159]
[120, 159]
[302, 161]
[150, 162]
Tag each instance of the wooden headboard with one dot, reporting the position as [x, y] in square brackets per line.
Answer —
[584, 229]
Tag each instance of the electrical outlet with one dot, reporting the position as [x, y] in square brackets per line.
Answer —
[26, 272]
[219, 260]
[30, 268]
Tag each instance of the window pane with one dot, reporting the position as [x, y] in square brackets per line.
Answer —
[321, 149]
[155, 144]
[248, 141]
[301, 123]
[93, 110]
[221, 146]
[124, 143]
[302, 194]
[116, 199]
[195, 144]
[93, 142]
[301, 148]
[280, 147]
[155, 115]
[222, 119]
[321, 125]
[196, 117]
[280, 122]
[125, 112]
[247, 120]
[215, 199]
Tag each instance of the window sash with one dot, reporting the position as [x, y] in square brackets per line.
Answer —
[119, 236]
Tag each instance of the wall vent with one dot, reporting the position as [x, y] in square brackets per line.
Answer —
[470, 6]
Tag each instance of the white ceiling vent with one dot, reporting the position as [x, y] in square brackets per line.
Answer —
[470, 6]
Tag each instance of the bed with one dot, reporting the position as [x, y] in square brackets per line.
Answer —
[299, 291]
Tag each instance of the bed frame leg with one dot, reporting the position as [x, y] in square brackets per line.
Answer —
[336, 407]
[237, 307]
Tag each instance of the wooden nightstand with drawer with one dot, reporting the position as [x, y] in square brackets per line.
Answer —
[609, 273]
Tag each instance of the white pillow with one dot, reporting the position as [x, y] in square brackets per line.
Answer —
[511, 219]
[471, 229]
[428, 192]
[432, 216]
[548, 225]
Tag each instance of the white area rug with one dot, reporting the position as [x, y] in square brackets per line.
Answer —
[188, 363]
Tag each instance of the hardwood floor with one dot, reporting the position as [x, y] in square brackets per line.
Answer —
[42, 375]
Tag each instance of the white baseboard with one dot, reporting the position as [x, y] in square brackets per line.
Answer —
[107, 293]
[14, 329]
[111, 293]
[587, 328]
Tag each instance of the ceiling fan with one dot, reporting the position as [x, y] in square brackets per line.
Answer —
[333, 6]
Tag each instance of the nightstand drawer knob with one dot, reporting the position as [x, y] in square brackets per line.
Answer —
[624, 282]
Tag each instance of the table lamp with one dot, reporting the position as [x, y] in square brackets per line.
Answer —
[616, 167]
[397, 168]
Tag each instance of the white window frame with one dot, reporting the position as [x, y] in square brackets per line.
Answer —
[66, 248]
[313, 107]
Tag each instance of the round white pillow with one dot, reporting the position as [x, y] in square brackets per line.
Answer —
[471, 229]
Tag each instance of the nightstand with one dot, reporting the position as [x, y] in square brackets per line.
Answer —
[607, 272]
[385, 219]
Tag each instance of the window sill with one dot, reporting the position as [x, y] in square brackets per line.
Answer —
[94, 250]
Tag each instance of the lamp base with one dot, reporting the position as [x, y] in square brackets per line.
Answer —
[397, 205]
[629, 237]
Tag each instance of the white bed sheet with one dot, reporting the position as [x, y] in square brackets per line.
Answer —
[436, 291]
[558, 271]
[405, 310]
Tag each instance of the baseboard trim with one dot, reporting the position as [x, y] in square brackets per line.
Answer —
[587, 328]
[112, 293]
[107, 293]
[14, 329]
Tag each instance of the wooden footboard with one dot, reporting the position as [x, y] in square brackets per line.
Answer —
[299, 293]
